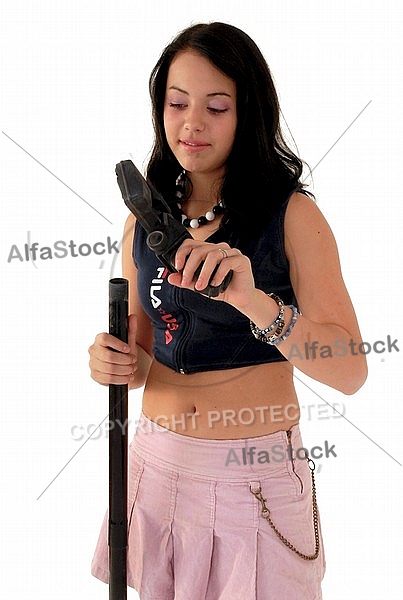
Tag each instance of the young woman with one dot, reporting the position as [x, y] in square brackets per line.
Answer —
[222, 501]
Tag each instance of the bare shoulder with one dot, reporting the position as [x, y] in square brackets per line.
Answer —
[315, 269]
[306, 230]
[302, 210]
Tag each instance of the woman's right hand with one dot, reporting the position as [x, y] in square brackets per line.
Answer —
[111, 360]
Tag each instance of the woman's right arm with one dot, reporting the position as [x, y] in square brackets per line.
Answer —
[126, 363]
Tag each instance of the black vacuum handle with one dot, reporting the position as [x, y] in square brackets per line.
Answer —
[118, 450]
[164, 233]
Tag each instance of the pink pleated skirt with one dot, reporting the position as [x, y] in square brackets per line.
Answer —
[195, 529]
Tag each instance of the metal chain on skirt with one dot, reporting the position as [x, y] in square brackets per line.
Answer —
[265, 513]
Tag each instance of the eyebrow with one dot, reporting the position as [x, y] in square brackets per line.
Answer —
[173, 87]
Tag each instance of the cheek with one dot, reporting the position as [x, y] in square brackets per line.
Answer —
[166, 121]
[169, 127]
[228, 134]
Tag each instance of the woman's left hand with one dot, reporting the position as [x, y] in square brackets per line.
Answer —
[192, 252]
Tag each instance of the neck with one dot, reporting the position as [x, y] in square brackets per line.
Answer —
[205, 190]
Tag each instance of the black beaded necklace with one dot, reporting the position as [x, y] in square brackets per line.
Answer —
[209, 216]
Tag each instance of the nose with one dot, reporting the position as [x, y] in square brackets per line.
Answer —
[194, 120]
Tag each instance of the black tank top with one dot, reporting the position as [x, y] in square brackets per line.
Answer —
[193, 333]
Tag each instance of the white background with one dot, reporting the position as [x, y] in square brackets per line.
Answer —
[75, 97]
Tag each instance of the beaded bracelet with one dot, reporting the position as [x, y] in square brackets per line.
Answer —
[276, 338]
[295, 315]
[277, 321]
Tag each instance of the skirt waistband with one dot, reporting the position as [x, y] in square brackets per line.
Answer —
[237, 459]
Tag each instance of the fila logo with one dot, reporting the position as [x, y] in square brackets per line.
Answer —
[156, 286]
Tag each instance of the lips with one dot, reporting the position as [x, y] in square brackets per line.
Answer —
[194, 144]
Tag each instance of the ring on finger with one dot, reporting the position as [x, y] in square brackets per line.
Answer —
[223, 252]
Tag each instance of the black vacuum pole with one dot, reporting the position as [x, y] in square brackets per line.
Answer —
[118, 415]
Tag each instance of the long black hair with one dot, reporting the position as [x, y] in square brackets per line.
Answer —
[261, 170]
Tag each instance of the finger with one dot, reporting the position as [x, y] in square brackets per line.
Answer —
[175, 279]
[112, 368]
[207, 254]
[107, 379]
[110, 341]
[227, 248]
[211, 262]
[107, 355]
[237, 263]
[183, 252]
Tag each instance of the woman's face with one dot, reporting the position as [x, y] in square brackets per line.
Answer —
[199, 114]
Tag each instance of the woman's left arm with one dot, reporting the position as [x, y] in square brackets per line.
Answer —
[325, 339]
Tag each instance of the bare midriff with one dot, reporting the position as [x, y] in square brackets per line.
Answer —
[227, 404]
